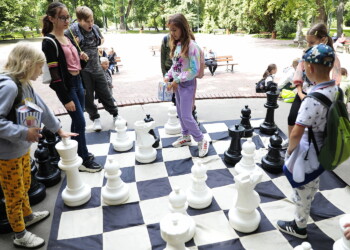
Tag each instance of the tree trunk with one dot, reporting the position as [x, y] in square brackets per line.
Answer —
[322, 16]
[122, 18]
[340, 15]
[164, 23]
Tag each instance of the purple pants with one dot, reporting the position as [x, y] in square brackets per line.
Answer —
[185, 95]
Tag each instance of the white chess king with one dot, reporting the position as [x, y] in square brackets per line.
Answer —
[243, 216]
[76, 193]
[144, 152]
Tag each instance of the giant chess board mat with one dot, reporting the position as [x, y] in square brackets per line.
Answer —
[134, 225]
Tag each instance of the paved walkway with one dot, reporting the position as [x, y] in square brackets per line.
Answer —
[138, 78]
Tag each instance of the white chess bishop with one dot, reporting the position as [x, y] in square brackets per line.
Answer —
[247, 164]
[174, 229]
[76, 193]
[122, 141]
[304, 246]
[178, 204]
[144, 152]
[115, 191]
[199, 195]
[173, 126]
[243, 216]
[342, 243]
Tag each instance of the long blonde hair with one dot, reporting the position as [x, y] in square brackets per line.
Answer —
[22, 61]
[180, 22]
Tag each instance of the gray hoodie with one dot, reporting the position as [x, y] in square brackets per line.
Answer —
[13, 143]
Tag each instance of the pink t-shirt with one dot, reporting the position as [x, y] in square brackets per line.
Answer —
[72, 56]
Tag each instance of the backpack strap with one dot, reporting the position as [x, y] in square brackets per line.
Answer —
[11, 116]
[53, 41]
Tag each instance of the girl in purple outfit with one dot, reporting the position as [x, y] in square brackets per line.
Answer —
[185, 55]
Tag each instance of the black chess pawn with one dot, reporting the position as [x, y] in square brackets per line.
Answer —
[46, 174]
[5, 226]
[50, 141]
[156, 143]
[233, 154]
[269, 127]
[245, 122]
[273, 161]
[37, 190]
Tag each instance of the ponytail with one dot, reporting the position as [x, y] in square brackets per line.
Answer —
[269, 69]
[320, 31]
[47, 26]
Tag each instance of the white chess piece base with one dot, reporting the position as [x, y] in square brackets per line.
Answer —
[199, 200]
[244, 222]
[145, 155]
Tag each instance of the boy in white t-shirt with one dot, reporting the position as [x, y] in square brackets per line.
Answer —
[303, 171]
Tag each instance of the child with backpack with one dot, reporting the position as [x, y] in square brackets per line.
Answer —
[302, 167]
[24, 65]
[267, 80]
[186, 57]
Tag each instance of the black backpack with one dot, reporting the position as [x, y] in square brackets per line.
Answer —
[260, 86]
[11, 116]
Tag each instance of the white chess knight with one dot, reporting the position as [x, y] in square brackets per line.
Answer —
[122, 141]
[199, 195]
[243, 216]
[144, 152]
[115, 191]
[178, 204]
[304, 246]
[173, 126]
[76, 193]
[342, 243]
[247, 163]
[174, 229]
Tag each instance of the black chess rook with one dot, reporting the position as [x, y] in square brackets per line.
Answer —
[37, 190]
[273, 161]
[233, 154]
[156, 143]
[245, 122]
[269, 127]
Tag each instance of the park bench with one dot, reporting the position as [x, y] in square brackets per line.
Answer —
[154, 49]
[226, 61]
[218, 31]
[118, 61]
[264, 35]
[8, 37]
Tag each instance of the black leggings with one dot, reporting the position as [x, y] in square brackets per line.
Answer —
[293, 113]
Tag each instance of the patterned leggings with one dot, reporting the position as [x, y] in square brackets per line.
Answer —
[303, 196]
[15, 178]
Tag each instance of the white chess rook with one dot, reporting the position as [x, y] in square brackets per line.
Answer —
[342, 243]
[76, 193]
[173, 126]
[247, 164]
[115, 191]
[199, 195]
[122, 141]
[178, 204]
[144, 152]
[304, 246]
[243, 216]
[174, 230]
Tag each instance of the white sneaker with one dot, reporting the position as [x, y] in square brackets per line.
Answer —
[97, 125]
[203, 148]
[38, 216]
[29, 240]
[184, 140]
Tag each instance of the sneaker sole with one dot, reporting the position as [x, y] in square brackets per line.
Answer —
[82, 168]
[181, 145]
[36, 247]
[291, 233]
[33, 223]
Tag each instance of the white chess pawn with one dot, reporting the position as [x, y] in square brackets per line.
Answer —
[304, 246]
[178, 204]
[243, 216]
[144, 152]
[342, 243]
[199, 195]
[76, 193]
[174, 230]
[122, 141]
[247, 163]
[173, 126]
[115, 191]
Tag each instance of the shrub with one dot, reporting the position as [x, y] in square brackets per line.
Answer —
[284, 29]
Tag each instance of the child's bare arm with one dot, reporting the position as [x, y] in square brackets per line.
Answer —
[295, 137]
